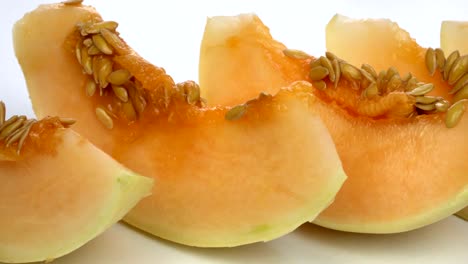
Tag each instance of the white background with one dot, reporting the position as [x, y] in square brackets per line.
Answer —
[168, 34]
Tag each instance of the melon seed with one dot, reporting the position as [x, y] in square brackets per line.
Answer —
[120, 92]
[66, 121]
[24, 136]
[350, 72]
[462, 94]
[101, 44]
[296, 54]
[431, 61]
[449, 62]
[2, 113]
[112, 39]
[427, 99]
[459, 68]
[367, 75]
[129, 111]
[327, 64]
[86, 61]
[78, 52]
[88, 42]
[425, 107]
[394, 83]
[236, 112]
[455, 113]
[95, 28]
[331, 56]
[104, 118]
[90, 88]
[460, 84]
[336, 67]
[119, 77]
[422, 90]
[104, 71]
[93, 50]
[369, 69]
[440, 59]
[321, 85]
[371, 91]
[442, 105]
[7, 130]
[318, 73]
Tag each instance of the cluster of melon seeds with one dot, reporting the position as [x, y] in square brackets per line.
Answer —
[387, 90]
[16, 128]
[95, 50]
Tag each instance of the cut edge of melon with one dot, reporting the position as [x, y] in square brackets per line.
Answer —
[270, 232]
[447, 208]
[128, 189]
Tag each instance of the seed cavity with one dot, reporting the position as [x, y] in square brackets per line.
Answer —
[236, 112]
[455, 113]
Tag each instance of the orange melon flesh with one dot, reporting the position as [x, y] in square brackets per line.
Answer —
[219, 183]
[397, 180]
[454, 36]
[395, 48]
[60, 195]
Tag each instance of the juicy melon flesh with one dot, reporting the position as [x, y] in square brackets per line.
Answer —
[454, 36]
[57, 198]
[389, 45]
[219, 182]
[397, 180]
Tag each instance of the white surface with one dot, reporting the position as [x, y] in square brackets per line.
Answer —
[168, 34]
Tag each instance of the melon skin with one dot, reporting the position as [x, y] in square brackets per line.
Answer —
[397, 180]
[220, 183]
[53, 203]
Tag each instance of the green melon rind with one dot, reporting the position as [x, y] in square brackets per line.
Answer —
[128, 189]
[446, 208]
[263, 233]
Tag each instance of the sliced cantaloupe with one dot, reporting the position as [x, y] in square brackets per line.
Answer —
[397, 178]
[454, 36]
[59, 193]
[226, 176]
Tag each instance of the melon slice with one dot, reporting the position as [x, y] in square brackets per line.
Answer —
[59, 193]
[226, 176]
[454, 36]
[397, 180]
